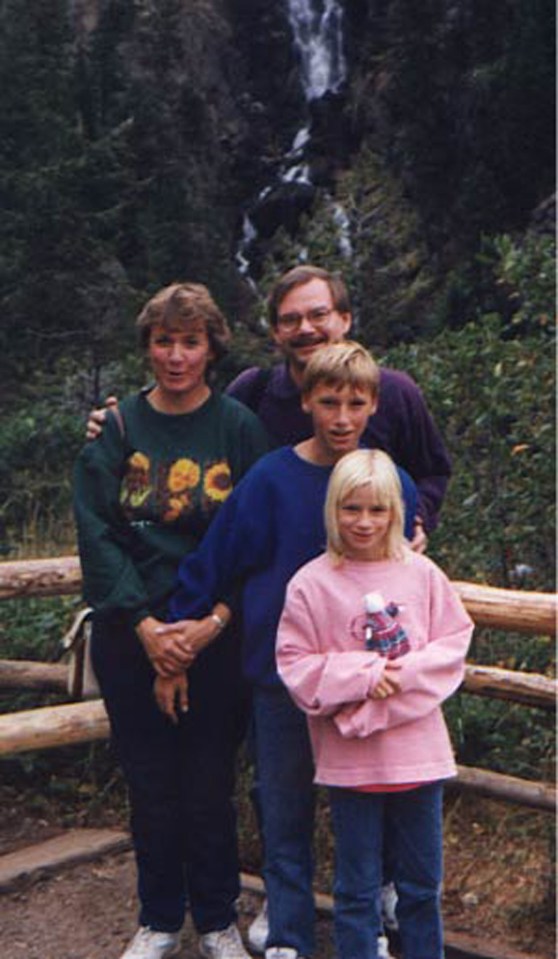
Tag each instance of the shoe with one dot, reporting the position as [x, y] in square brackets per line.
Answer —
[258, 930]
[150, 944]
[388, 902]
[281, 952]
[383, 948]
[223, 944]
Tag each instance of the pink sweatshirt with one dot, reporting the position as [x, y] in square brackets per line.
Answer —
[322, 660]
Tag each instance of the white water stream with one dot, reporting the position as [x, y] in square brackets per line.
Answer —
[317, 27]
[318, 35]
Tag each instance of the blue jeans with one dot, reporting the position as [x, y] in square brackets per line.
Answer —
[180, 778]
[411, 822]
[285, 771]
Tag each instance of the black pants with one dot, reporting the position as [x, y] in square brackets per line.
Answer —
[180, 778]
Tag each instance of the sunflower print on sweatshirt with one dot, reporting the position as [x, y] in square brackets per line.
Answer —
[168, 492]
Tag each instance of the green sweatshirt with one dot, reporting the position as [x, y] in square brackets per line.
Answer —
[143, 498]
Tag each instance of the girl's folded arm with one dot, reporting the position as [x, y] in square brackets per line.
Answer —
[428, 676]
[320, 682]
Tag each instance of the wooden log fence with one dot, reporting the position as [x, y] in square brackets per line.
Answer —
[531, 689]
[508, 609]
[52, 726]
[28, 674]
[538, 795]
[56, 576]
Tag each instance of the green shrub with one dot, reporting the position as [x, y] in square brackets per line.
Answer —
[40, 437]
[492, 398]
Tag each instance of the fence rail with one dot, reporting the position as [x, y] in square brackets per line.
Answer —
[51, 726]
[531, 689]
[508, 609]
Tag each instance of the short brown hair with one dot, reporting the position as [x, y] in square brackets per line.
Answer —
[342, 364]
[300, 275]
[181, 303]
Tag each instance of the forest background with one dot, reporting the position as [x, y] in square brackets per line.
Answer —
[134, 137]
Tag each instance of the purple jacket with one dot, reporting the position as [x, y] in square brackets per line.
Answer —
[402, 426]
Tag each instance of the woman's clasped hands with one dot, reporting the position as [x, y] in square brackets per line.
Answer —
[172, 648]
[169, 646]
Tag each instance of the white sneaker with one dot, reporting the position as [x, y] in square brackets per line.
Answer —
[149, 944]
[223, 944]
[281, 952]
[258, 930]
[383, 948]
[388, 902]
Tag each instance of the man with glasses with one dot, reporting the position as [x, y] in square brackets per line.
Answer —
[309, 307]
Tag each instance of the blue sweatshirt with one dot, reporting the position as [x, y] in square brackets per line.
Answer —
[271, 525]
[402, 426]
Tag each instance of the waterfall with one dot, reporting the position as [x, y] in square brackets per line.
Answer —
[318, 35]
[242, 255]
[317, 27]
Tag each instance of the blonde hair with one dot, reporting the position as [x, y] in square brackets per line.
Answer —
[376, 470]
[179, 304]
[342, 364]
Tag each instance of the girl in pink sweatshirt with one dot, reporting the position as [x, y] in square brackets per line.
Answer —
[372, 640]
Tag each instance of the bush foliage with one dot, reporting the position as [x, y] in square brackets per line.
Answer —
[493, 400]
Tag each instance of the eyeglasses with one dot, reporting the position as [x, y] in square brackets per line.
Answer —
[317, 317]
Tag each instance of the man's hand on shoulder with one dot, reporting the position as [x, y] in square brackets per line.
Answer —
[419, 541]
[97, 417]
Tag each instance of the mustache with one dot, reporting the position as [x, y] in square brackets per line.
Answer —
[308, 339]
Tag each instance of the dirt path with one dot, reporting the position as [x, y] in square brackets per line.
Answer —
[87, 909]
[88, 912]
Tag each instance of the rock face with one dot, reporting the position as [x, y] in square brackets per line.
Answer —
[168, 82]
[450, 106]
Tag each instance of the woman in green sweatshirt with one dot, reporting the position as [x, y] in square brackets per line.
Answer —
[145, 493]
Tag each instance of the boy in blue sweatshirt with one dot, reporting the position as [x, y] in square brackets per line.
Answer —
[269, 526]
